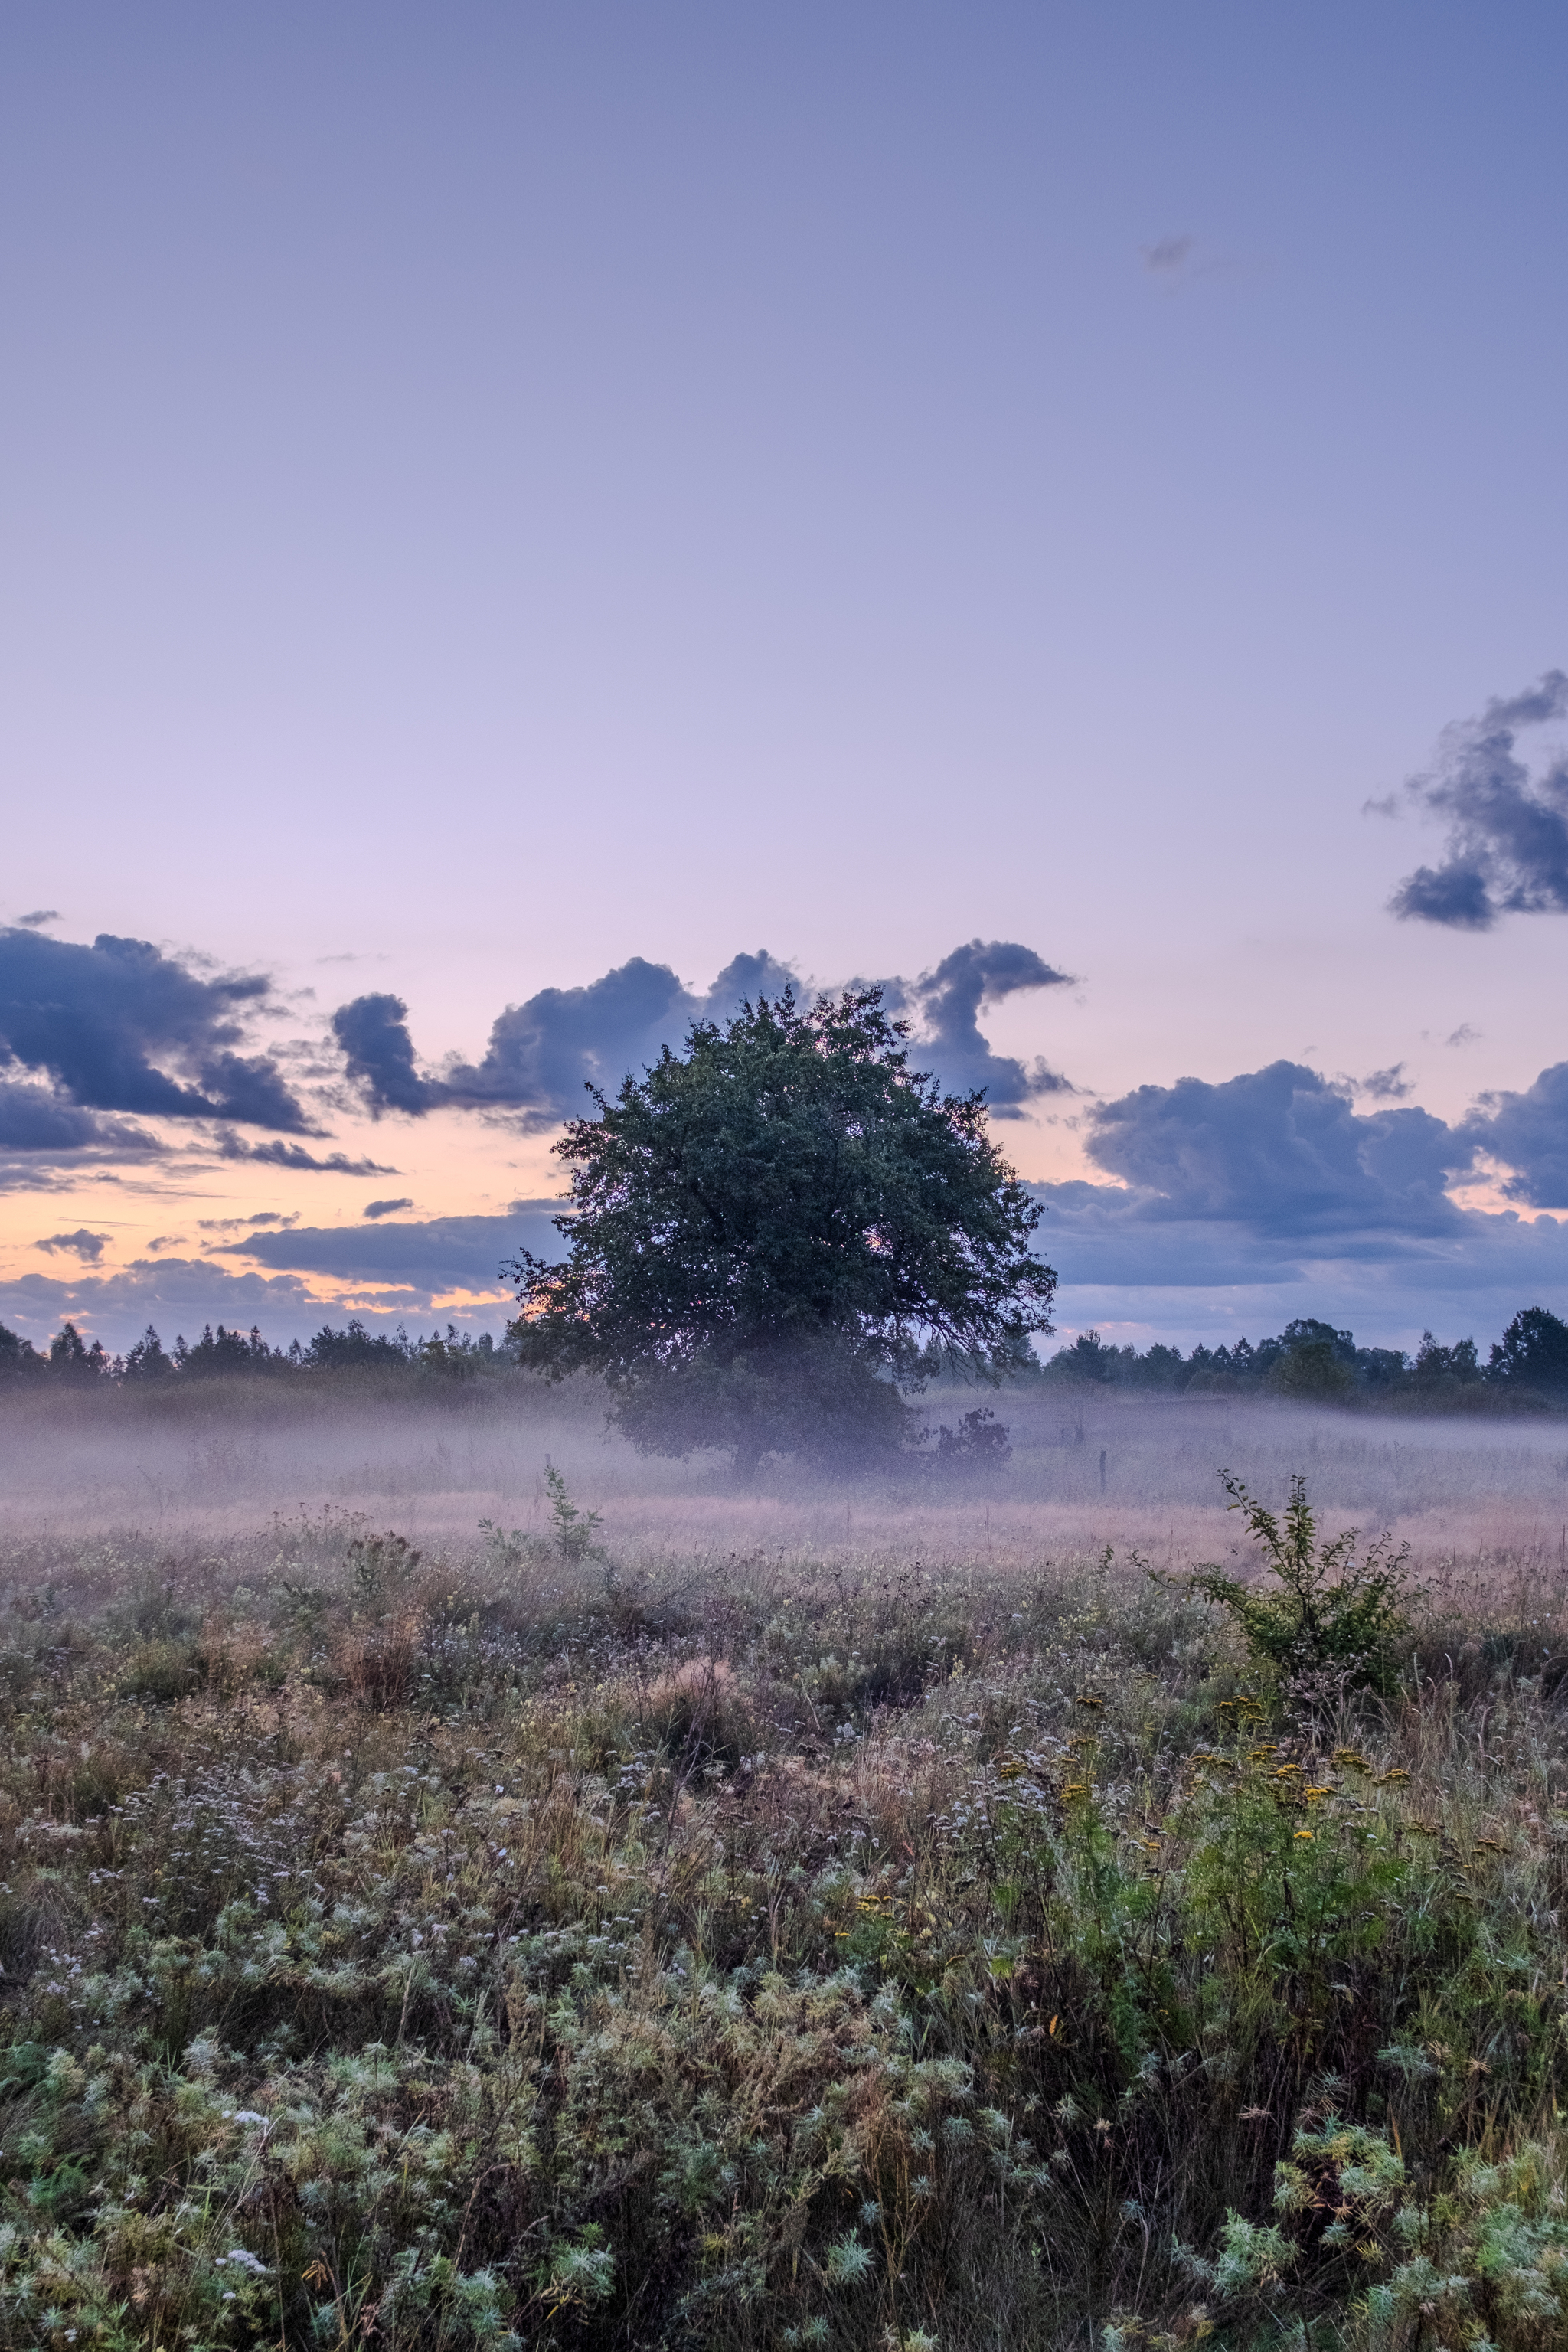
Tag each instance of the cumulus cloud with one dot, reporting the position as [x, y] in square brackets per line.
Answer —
[1282, 1150]
[87, 1247]
[384, 1208]
[429, 1257]
[544, 1054]
[120, 1026]
[947, 1004]
[1528, 1133]
[1507, 845]
[1268, 1196]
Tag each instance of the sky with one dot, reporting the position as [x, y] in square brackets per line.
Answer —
[520, 525]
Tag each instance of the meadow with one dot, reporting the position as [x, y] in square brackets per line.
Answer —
[464, 1885]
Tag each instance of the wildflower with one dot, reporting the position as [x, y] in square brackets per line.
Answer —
[1304, 1833]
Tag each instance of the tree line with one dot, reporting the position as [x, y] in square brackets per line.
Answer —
[1314, 1361]
[69, 1359]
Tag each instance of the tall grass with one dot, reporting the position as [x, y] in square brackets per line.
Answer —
[508, 1949]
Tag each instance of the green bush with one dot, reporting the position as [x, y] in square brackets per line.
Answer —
[1326, 1614]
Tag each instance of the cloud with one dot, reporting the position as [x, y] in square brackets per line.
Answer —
[429, 1257]
[109, 1023]
[1167, 253]
[294, 1156]
[87, 1247]
[175, 1294]
[37, 919]
[947, 1003]
[1386, 1086]
[544, 1054]
[1269, 1195]
[1463, 1035]
[1507, 845]
[384, 1208]
[41, 1118]
[1528, 1133]
[1283, 1151]
[378, 1051]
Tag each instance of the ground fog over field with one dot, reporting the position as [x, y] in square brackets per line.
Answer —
[184, 1474]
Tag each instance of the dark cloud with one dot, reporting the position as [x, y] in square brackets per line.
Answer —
[108, 1023]
[37, 919]
[1268, 1195]
[384, 1208]
[947, 1003]
[87, 1247]
[1507, 846]
[295, 1156]
[378, 1051]
[1167, 253]
[1528, 1133]
[1386, 1086]
[432, 1256]
[1464, 1035]
[41, 1118]
[544, 1054]
[1281, 1151]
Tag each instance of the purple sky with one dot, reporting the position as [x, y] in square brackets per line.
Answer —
[499, 491]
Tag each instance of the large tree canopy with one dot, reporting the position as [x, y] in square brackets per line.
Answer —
[763, 1228]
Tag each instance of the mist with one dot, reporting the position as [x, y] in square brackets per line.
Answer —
[233, 1475]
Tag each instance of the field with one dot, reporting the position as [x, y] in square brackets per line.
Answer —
[894, 1914]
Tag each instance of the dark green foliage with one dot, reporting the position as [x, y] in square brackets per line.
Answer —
[763, 1229]
[1313, 1362]
[979, 1440]
[1325, 1612]
[215, 1354]
[574, 1528]
[71, 1358]
[1532, 1352]
[147, 1360]
[18, 1357]
[1440, 1369]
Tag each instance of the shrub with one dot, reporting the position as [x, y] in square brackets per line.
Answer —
[1326, 1612]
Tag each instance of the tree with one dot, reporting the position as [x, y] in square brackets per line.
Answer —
[763, 1228]
[18, 1357]
[1532, 1352]
[71, 1359]
[147, 1360]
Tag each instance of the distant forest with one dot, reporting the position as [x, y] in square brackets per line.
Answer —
[225, 1354]
[1309, 1360]
[1314, 1361]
